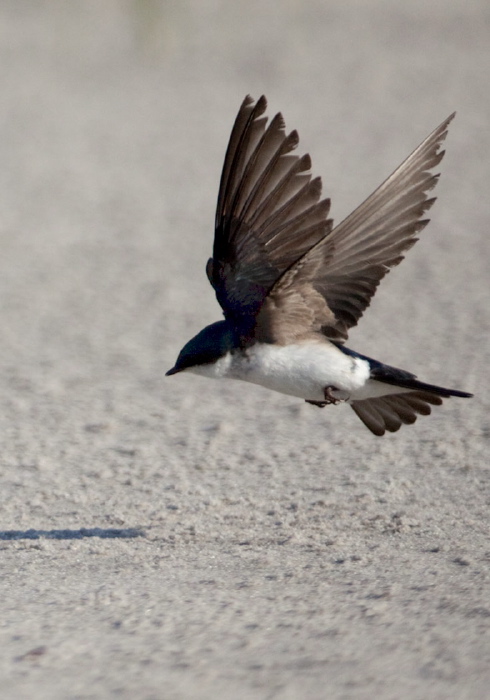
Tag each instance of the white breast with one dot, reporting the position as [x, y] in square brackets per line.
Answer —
[302, 370]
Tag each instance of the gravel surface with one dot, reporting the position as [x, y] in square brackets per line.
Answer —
[166, 539]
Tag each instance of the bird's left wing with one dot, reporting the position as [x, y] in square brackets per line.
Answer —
[268, 214]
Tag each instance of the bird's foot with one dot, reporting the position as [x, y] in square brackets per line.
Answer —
[330, 399]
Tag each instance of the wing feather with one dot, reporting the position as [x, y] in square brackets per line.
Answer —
[268, 214]
[376, 236]
[346, 266]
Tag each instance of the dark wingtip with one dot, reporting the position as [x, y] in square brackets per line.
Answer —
[248, 100]
[261, 105]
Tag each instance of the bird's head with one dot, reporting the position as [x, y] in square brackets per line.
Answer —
[208, 346]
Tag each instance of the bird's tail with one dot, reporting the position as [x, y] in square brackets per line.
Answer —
[412, 383]
[389, 412]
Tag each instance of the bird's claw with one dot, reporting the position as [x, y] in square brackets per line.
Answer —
[329, 397]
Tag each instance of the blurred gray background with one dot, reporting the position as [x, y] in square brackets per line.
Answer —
[179, 538]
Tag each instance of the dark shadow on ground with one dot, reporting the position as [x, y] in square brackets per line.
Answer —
[82, 533]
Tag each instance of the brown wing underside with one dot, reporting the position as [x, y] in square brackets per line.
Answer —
[345, 267]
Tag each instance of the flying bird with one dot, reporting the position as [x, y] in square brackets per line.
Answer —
[291, 285]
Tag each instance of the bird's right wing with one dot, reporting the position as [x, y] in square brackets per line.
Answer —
[346, 266]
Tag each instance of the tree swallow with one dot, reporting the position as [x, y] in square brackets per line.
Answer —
[291, 285]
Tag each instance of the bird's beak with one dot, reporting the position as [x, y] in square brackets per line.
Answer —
[174, 370]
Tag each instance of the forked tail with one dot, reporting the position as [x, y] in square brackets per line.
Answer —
[391, 411]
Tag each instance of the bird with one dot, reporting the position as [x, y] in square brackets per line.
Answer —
[291, 285]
